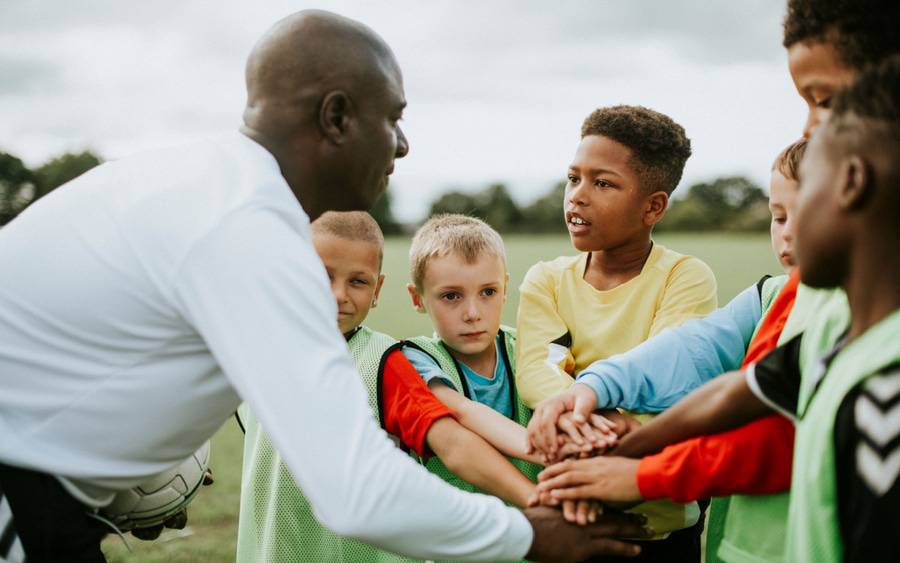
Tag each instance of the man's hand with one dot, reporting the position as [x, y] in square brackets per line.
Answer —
[557, 540]
[601, 478]
[542, 430]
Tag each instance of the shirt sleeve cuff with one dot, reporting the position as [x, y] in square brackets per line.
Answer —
[594, 381]
[520, 536]
[648, 479]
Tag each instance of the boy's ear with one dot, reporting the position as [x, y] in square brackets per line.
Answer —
[506, 287]
[335, 115]
[378, 285]
[417, 302]
[657, 203]
[856, 183]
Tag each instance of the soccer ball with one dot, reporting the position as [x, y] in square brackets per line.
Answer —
[161, 496]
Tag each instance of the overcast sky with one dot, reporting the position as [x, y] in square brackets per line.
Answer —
[497, 90]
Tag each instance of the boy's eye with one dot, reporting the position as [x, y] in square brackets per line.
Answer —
[601, 183]
[490, 291]
[572, 179]
[824, 103]
[452, 296]
[779, 220]
[358, 281]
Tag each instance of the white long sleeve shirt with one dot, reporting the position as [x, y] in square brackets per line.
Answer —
[142, 301]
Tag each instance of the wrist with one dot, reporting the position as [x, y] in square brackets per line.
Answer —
[598, 394]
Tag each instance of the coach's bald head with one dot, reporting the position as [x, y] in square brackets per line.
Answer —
[324, 94]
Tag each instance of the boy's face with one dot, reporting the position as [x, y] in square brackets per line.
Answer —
[464, 300]
[818, 74]
[356, 279]
[782, 194]
[604, 204]
[820, 241]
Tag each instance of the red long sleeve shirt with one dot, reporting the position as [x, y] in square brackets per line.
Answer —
[753, 459]
[408, 406]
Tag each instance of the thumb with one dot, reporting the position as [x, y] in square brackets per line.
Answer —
[583, 406]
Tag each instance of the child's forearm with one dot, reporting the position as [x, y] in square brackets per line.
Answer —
[500, 432]
[472, 459]
[722, 404]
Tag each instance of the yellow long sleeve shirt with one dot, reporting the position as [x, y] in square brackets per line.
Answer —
[564, 323]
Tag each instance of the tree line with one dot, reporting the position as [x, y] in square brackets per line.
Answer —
[731, 203]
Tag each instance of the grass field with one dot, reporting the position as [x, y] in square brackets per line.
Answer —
[737, 260]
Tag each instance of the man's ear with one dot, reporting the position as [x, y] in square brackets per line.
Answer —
[856, 183]
[335, 114]
[657, 203]
[417, 302]
[378, 285]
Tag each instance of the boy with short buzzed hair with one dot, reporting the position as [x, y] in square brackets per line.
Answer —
[276, 521]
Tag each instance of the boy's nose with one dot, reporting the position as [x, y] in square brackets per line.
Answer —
[471, 312]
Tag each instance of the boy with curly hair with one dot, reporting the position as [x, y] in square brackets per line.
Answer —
[622, 288]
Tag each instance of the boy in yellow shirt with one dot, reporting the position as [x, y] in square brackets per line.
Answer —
[622, 288]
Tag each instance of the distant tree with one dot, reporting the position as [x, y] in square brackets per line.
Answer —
[455, 202]
[61, 169]
[729, 203]
[17, 186]
[384, 215]
[498, 208]
[545, 214]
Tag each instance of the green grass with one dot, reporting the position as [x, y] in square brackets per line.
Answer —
[211, 535]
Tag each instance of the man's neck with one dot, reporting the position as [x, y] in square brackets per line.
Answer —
[607, 269]
[873, 283]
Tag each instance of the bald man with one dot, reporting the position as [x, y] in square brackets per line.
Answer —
[140, 303]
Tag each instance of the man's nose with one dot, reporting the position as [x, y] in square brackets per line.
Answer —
[402, 144]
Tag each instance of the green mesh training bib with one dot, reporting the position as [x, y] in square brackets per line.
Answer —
[276, 521]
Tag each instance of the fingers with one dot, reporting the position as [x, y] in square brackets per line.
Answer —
[595, 509]
[620, 525]
[568, 510]
[573, 431]
[582, 512]
[575, 492]
[554, 470]
[615, 548]
[546, 430]
[585, 401]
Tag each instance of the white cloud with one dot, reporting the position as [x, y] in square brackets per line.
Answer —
[497, 90]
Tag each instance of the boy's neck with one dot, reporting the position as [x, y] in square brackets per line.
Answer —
[873, 282]
[483, 363]
[607, 269]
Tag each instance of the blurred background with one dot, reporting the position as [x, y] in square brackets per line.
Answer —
[497, 92]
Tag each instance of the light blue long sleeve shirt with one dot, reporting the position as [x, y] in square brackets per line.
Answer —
[654, 375]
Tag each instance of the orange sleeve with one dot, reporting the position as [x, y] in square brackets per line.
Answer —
[408, 407]
[753, 459]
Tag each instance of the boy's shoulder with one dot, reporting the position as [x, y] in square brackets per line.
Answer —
[552, 270]
[676, 263]
[367, 339]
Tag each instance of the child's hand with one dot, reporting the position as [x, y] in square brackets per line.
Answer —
[600, 478]
[581, 512]
[542, 429]
[622, 423]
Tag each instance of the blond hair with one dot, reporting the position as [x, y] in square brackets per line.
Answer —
[447, 234]
[788, 161]
[350, 225]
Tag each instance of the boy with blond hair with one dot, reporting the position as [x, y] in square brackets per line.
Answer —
[459, 278]
[276, 521]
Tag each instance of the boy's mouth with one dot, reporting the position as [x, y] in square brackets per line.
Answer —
[576, 223]
[473, 335]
